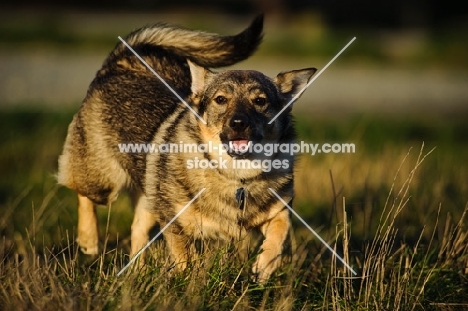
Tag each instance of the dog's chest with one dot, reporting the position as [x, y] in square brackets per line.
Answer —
[229, 213]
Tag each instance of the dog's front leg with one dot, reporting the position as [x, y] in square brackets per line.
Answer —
[178, 247]
[275, 232]
[143, 221]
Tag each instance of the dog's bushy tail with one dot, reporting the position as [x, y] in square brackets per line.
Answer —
[205, 49]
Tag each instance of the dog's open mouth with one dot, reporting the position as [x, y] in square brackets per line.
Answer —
[239, 147]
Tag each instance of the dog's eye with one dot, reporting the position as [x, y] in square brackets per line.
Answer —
[260, 101]
[220, 99]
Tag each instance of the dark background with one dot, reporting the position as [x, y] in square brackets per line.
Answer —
[394, 14]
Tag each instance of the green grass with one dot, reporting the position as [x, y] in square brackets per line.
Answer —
[366, 177]
[397, 220]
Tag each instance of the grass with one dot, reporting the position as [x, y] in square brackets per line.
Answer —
[394, 210]
[366, 177]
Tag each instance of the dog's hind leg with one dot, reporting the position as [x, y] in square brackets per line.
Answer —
[88, 237]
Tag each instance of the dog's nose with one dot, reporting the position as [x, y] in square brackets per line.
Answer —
[239, 123]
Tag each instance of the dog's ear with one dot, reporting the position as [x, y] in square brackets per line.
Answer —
[291, 83]
[200, 78]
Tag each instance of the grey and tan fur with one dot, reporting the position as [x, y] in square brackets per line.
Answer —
[126, 103]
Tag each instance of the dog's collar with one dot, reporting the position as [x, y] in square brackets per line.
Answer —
[241, 197]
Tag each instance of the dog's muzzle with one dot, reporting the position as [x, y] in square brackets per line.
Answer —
[238, 136]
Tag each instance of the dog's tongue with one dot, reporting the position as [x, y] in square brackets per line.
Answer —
[239, 145]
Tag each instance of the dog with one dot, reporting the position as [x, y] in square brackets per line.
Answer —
[228, 111]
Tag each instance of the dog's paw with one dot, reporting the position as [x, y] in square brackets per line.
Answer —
[89, 250]
[264, 267]
[88, 246]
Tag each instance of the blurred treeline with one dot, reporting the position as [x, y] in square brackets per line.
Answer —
[416, 33]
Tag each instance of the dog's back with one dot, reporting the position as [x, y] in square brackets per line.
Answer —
[126, 102]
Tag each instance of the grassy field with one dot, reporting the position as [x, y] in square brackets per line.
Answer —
[395, 210]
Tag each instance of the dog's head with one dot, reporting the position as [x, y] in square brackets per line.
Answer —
[239, 105]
